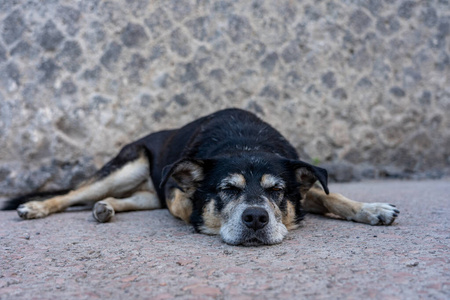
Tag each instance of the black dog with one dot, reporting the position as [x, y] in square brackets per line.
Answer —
[228, 173]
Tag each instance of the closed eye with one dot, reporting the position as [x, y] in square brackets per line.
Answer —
[231, 189]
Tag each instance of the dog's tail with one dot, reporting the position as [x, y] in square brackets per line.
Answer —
[14, 203]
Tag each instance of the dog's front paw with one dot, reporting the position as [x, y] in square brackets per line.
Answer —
[377, 214]
[32, 210]
[103, 211]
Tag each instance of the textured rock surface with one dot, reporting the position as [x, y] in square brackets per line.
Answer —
[362, 86]
[151, 255]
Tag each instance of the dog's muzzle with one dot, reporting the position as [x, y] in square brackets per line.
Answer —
[253, 225]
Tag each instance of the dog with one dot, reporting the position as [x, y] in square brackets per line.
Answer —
[228, 174]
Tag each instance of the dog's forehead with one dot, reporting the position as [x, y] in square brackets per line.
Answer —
[251, 165]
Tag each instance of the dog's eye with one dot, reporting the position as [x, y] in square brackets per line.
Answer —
[231, 189]
[275, 189]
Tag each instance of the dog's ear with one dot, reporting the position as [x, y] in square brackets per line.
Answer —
[186, 172]
[308, 174]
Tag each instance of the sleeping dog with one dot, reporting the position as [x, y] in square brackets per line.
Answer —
[227, 173]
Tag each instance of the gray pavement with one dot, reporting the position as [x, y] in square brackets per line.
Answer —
[151, 255]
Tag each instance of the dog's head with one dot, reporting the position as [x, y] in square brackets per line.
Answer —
[248, 199]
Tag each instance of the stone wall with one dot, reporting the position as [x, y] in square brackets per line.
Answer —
[359, 86]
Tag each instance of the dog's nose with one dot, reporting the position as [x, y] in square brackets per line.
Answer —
[255, 217]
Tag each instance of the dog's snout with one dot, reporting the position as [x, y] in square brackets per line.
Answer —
[255, 217]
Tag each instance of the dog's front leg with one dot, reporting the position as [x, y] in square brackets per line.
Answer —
[143, 200]
[316, 201]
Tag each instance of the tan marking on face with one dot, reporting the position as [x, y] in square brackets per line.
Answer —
[179, 205]
[211, 219]
[270, 181]
[276, 210]
[228, 211]
[236, 180]
[289, 216]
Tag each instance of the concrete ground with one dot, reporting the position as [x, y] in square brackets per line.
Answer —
[151, 255]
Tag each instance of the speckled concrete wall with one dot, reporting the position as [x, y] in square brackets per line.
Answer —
[359, 86]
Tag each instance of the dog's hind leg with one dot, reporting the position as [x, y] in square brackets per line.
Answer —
[142, 200]
[316, 201]
[121, 177]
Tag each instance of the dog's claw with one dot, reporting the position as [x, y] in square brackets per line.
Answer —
[380, 219]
